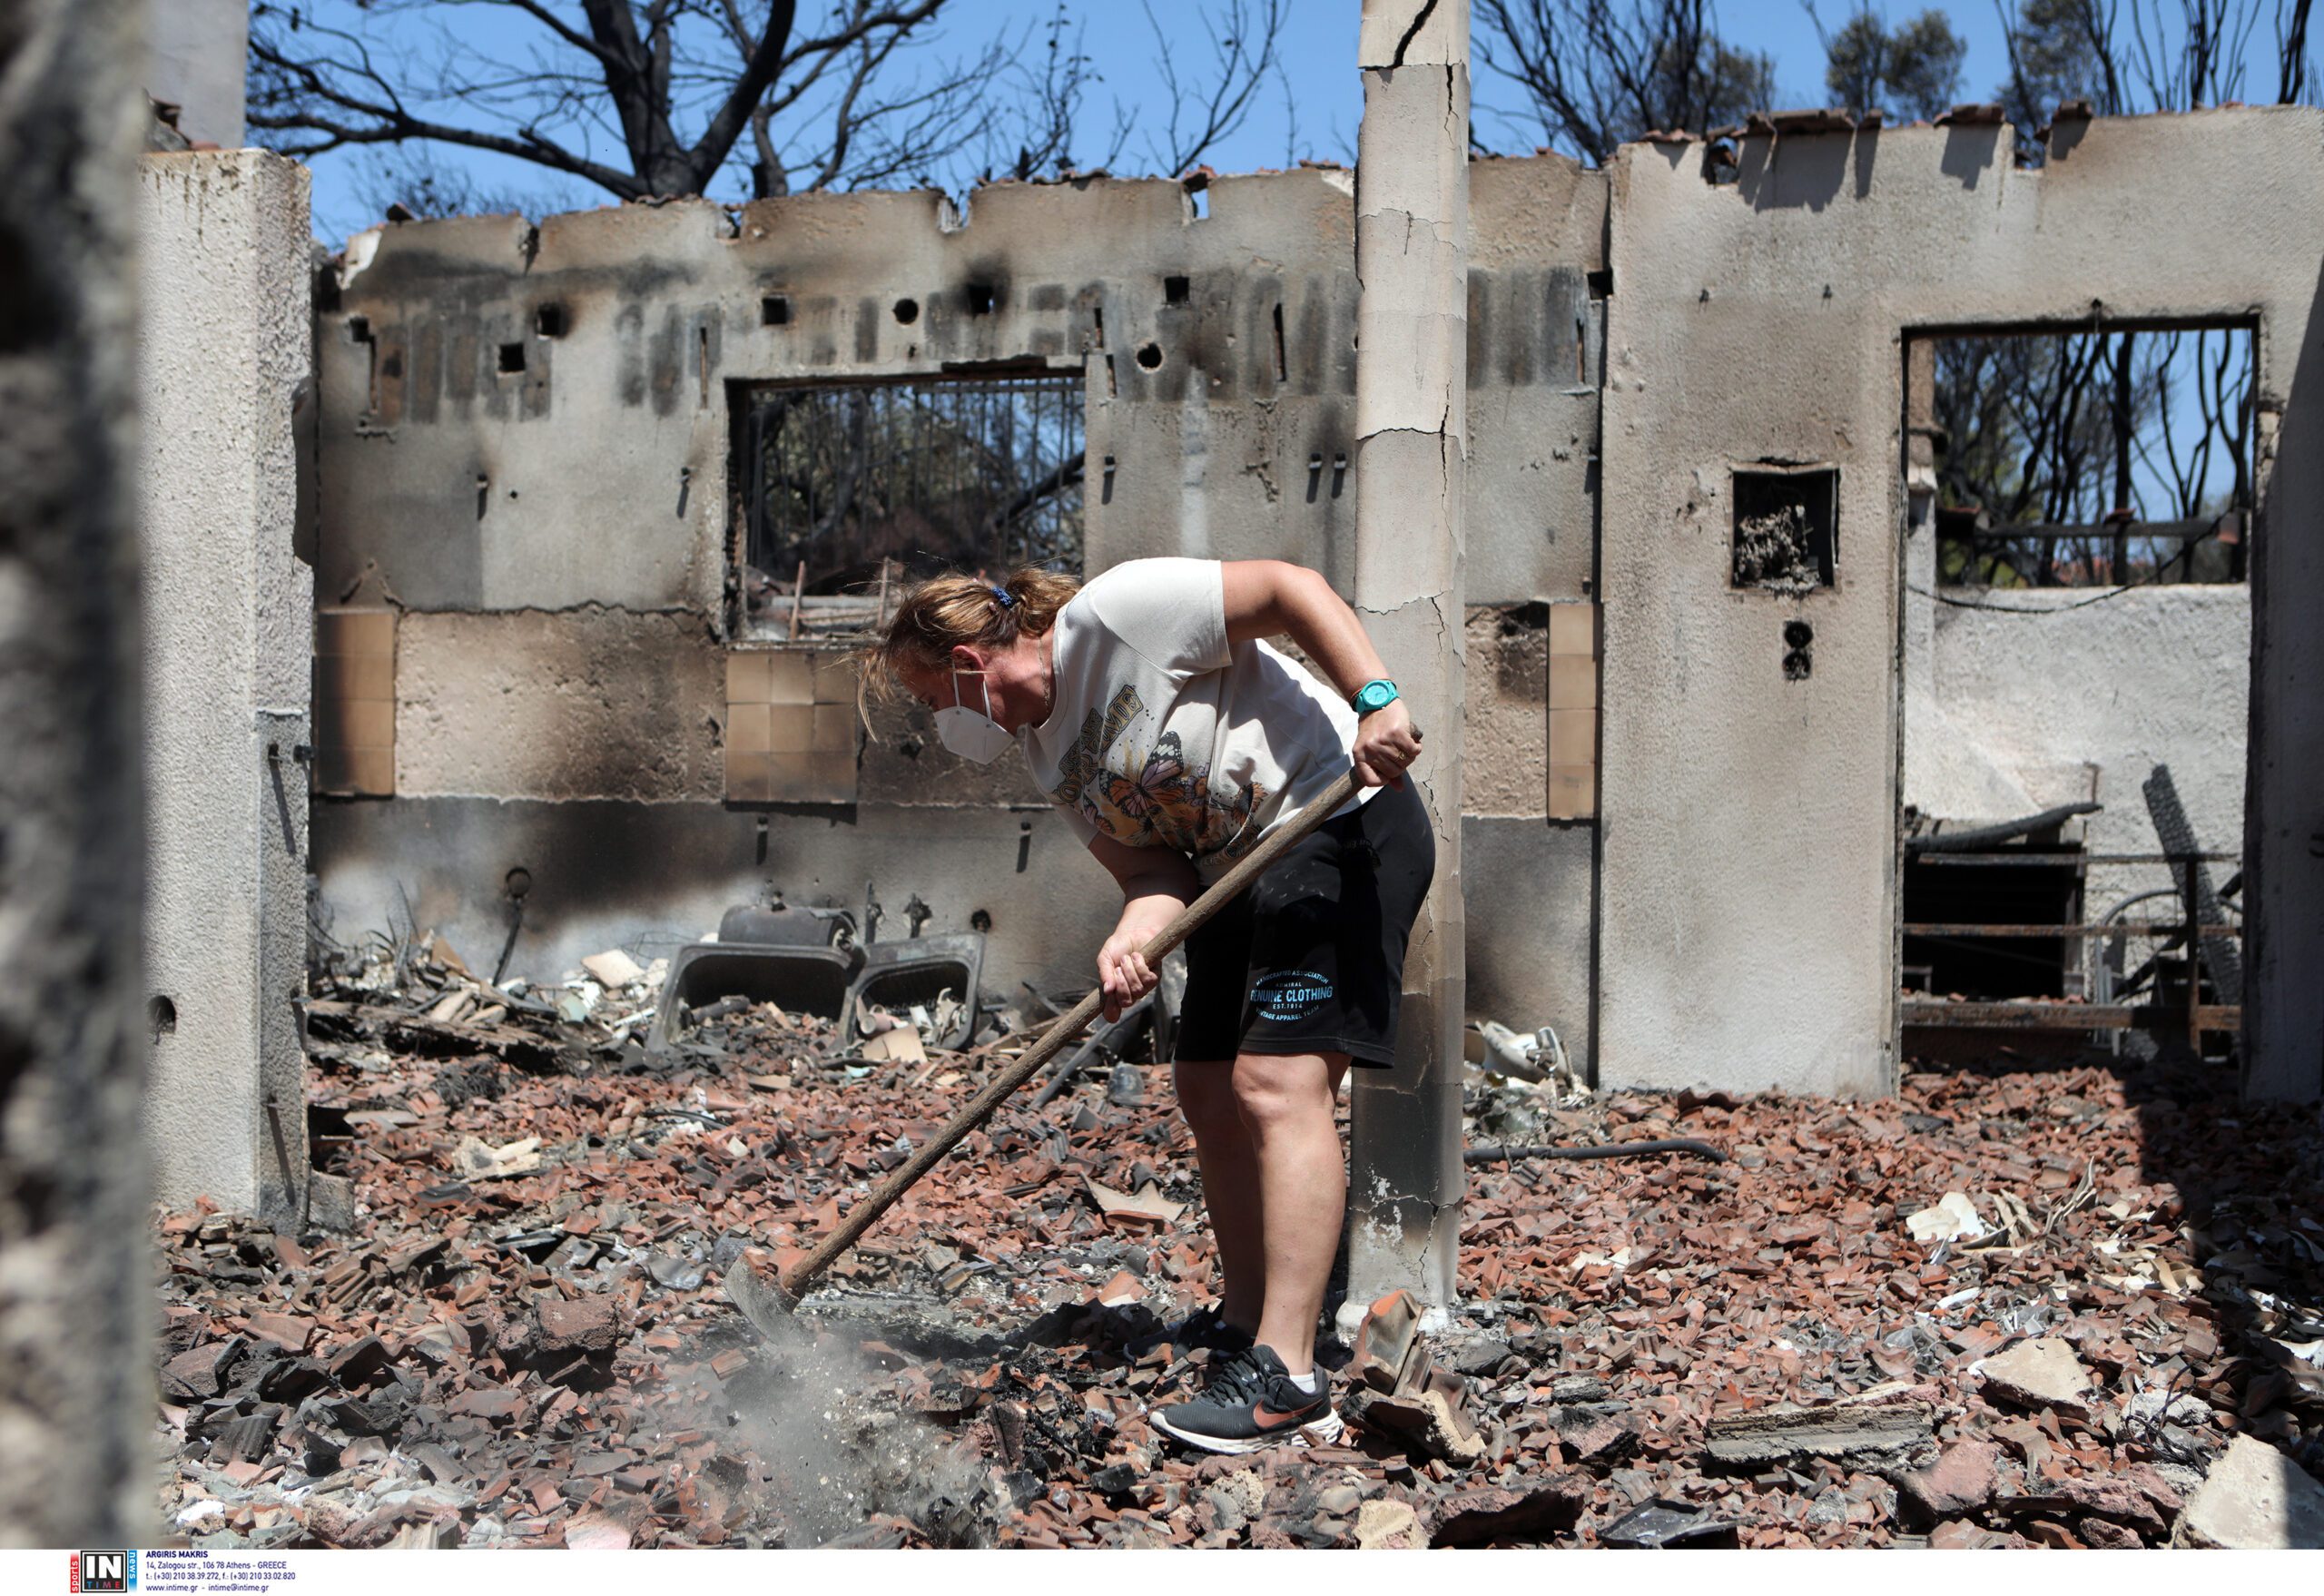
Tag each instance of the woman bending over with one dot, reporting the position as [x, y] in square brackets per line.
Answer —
[1153, 712]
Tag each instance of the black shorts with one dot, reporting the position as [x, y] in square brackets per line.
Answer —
[1310, 957]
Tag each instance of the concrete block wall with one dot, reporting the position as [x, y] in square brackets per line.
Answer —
[558, 529]
[1749, 822]
[226, 330]
[557, 533]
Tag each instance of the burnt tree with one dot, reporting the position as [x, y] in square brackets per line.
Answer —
[1595, 73]
[654, 99]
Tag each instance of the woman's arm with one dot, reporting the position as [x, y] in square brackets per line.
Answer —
[1266, 598]
[1157, 884]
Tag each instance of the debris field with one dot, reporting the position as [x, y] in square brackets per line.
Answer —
[2011, 1307]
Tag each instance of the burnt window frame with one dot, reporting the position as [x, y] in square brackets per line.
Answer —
[2243, 523]
[751, 540]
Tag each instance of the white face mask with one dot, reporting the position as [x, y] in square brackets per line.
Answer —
[975, 738]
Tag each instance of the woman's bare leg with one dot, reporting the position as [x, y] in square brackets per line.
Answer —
[1230, 1187]
[1285, 1103]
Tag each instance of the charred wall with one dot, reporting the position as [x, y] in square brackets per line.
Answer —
[525, 448]
[1756, 333]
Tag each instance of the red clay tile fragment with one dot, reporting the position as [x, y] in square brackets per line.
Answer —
[287, 1331]
[1961, 1536]
[1961, 1481]
[591, 1532]
[588, 1325]
[1474, 1518]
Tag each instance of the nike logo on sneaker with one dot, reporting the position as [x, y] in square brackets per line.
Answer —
[1267, 1418]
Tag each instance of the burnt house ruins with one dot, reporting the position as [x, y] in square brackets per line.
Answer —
[594, 506]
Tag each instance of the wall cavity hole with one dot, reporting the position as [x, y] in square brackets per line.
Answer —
[1785, 536]
[1174, 290]
[359, 328]
[162, 1015]
[1150, 357]
[551, 320]
[982, 298]
[980, 920]
[774, 311]
[512, 358]
[906, 311]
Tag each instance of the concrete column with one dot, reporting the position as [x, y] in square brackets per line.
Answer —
[76, 1388]
[2284, 813]
[1411, 255]
[197, 53]
[226, 351]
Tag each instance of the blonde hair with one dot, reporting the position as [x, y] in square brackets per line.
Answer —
[956, 609]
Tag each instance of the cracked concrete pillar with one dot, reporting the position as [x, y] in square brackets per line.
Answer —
[226, 347]
[1412, 256]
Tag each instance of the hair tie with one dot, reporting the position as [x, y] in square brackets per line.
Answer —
[1005, 599]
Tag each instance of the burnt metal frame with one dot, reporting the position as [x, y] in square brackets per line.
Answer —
[750, 406]
[2043, 1014]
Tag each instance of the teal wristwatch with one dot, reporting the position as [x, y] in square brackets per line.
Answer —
[1374, 695]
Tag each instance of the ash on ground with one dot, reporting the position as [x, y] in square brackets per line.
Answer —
[505, 1322]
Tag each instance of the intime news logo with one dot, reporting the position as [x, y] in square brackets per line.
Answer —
[104, 1571]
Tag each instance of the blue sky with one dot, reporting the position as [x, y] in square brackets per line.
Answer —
[1318, 50]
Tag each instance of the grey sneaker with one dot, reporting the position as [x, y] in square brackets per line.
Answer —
[1251, 1404]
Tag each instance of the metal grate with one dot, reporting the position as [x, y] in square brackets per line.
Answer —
[981, 474]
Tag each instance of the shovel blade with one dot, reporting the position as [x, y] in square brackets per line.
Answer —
[762, 1304]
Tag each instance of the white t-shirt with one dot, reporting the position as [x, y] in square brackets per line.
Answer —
[1164, 734]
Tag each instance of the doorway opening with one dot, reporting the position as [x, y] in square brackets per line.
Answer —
[2076, 627]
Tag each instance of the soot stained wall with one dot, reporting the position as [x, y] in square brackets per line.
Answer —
[524, 445]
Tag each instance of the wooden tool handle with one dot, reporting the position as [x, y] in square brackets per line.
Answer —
[1069, 1025]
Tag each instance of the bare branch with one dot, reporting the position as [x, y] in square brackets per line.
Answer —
[1243, 67]
[556, 24]
[1599, 71]
[646, 67]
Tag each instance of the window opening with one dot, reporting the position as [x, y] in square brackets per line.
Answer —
[839, 480]
[2089, 460]
[1786, 530]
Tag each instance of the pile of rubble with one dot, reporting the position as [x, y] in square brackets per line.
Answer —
[2069, 1308]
